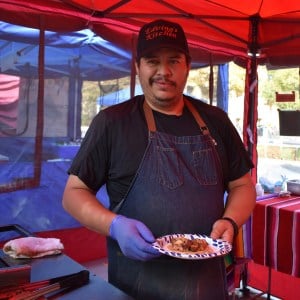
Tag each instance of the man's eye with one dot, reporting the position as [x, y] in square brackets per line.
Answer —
[152, 61]
[174, 61]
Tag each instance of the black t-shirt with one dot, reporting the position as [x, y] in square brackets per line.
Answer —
[117, 138]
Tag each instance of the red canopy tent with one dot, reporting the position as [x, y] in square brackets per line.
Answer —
[233, 28]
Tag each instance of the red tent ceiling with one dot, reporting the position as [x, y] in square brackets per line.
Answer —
[217, 31]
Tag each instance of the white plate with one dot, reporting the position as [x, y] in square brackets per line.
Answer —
[217, 247]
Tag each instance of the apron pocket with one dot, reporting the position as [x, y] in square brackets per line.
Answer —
[169, 170]
[205, 167]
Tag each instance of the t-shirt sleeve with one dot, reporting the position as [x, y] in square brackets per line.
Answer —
[235, 160]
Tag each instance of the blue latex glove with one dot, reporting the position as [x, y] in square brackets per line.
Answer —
[134, 238]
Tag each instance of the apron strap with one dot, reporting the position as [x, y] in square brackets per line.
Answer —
[149, 116]
[195, 113]
[151, 123]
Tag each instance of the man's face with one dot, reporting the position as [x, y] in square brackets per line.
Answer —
[163, 74]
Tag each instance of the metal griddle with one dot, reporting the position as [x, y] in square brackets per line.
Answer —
[13, 271]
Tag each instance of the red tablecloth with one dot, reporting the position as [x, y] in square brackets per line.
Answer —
[276, 234]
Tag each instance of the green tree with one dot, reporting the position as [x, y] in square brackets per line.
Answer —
[281, 81]
[236, 79]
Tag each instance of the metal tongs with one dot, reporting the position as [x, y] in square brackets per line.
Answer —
[33, 291]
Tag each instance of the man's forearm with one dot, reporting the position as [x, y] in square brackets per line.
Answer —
[85, 207]
[241, 202]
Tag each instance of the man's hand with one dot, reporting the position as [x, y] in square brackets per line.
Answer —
[134, 238]
[223, 229]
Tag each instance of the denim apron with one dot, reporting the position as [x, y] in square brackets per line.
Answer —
[178, 188]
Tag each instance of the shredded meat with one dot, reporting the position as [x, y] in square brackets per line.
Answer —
[183, 244]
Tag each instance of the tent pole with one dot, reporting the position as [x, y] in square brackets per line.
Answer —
[252, 116]
[211, 80]
[40, 109]
[222, 87]
[133, 71]
[253, 95]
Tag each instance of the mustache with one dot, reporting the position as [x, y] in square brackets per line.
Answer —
[162, 79]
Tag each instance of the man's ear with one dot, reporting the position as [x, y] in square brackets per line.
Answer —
[136, 64]
[189, 66]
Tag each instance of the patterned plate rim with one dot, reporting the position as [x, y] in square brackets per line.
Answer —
[220, 246]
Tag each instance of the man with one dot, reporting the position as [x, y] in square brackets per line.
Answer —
[166, 160]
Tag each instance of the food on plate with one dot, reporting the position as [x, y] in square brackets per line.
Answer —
[183, 244]
[32, 247]
[191, 246]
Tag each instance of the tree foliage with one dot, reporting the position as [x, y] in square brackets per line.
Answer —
[236, 80]
[282, 81]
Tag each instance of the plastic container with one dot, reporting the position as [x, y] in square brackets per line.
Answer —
[293, 186]
[259, 190]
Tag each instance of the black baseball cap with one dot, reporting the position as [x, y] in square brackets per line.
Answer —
[161, 34]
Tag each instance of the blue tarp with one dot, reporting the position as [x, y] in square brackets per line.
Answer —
[80, 53]
[40, 208]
